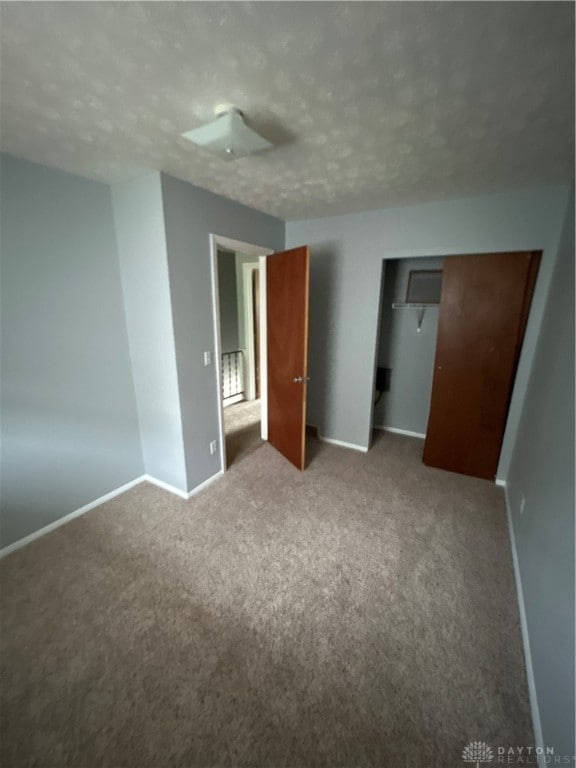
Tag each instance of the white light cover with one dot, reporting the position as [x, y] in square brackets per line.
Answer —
[228, 136]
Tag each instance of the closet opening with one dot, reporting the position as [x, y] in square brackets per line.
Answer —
[407, 342]
[451, 335]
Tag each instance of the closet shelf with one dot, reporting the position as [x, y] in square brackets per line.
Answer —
[420, 307]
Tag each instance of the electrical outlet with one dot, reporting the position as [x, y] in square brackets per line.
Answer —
[213, 446]
[523, 501]
[207, 358]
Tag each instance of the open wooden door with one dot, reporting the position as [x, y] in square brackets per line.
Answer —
[483, 314]
[287, 285]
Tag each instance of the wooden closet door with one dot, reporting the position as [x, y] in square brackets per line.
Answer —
[483, 313]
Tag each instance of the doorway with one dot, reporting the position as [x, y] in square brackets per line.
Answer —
[238, 287]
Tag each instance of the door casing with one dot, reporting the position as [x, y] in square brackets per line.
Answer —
[248, 311]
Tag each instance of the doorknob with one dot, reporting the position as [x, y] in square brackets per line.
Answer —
[301, 379]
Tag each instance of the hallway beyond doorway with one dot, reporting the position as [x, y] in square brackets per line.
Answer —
[242, 430]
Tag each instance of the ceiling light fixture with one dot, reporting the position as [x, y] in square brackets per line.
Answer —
[228, 136]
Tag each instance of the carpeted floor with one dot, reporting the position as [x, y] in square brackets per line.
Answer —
[242, 430]
[361, 613]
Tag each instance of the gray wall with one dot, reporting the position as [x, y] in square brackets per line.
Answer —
[191, 215]
[542, 472]
[409, 354]
[139, 218]
[241, 259]
[346, 259]
[228, 295]
[69, 424]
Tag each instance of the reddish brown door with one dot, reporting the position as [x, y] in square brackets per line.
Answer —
[483, 313]
[287, 283]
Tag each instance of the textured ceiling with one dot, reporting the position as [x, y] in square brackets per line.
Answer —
[370, 104]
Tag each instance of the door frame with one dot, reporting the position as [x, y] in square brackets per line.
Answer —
[248, 311]
[238, 246]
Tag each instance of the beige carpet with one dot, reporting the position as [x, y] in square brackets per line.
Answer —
[242, 429]
[361, 613]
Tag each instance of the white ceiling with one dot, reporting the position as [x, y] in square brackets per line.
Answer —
[371, 104]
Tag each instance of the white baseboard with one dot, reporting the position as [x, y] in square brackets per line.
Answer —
[396, 431]
[501, 484]
[342, 444]
[165, 486]
[535, 710]
[205, 484]
[233, 400]
[71, 516]
[102, 500]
